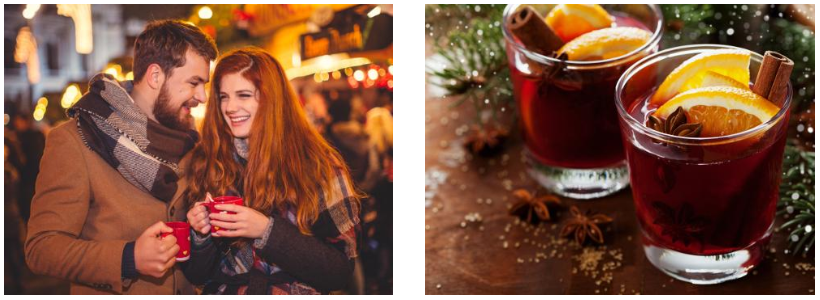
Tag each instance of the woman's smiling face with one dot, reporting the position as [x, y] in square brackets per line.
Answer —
[238, 101]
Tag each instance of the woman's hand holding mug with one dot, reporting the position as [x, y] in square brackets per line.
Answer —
[246, 222]
[198, 217]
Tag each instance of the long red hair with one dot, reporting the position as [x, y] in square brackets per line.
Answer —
[289, 161]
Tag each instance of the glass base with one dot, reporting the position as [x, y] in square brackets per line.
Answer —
[706, 269]
[579, 183]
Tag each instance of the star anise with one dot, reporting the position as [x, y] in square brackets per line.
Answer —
[529, 204]
[583, 225]
[485, 141]
[675, 124]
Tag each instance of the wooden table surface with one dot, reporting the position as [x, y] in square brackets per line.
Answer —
[473, 259]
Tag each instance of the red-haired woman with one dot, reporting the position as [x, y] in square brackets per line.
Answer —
[298, 232]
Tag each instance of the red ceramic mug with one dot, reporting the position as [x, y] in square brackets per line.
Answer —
[182, 231]
[211, 205]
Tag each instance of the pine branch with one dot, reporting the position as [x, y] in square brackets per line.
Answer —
[797, 198]
[470, 43]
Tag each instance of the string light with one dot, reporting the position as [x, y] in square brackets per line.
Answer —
[116, 71]
[70, 96]
[205, 13]
[81, 14]
[40, 110]
[352, 82]
[26, 52]
[30, 10]
[358, 75]
[325, 66]
[374, 12]
[296, 60]
[39, 114]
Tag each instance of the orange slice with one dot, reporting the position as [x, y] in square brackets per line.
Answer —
[722, 110]
[569, 21]
[710, 78]
[690, 74]
[605, 43]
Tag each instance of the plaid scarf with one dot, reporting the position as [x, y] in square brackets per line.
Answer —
[242, 269]
[143, 151]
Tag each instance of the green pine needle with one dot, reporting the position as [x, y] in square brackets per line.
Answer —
[473, 52]
[797, 198]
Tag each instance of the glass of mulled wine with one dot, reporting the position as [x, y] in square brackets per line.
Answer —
[566, 108]
[705, 204]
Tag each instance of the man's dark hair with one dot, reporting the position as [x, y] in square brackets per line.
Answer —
[165, 43]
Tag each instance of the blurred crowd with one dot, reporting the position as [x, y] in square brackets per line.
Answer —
[361, 128]
[23, 144]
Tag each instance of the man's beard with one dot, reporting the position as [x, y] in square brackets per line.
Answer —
[167, 115]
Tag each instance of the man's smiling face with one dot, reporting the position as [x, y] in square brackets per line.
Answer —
[183, 90]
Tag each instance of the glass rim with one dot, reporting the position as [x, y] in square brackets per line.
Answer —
[681, 140]
[538, 57]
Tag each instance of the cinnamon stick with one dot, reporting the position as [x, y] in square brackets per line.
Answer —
[534, 32]
[773, 77]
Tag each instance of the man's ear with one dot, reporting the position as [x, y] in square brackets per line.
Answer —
[154, 76]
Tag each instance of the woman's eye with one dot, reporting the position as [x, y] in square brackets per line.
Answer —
[193, 84]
